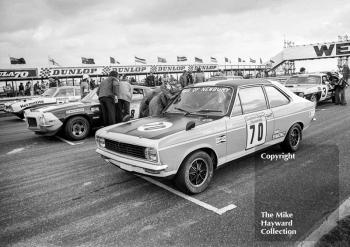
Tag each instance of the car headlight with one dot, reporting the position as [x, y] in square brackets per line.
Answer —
[151, 154]
[100, 142]
[47, 119]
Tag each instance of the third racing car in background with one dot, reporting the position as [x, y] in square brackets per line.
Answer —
[314, 87]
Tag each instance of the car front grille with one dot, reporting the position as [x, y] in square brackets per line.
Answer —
[31, 122]
[125, 148]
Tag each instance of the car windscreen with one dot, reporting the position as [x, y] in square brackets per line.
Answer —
[311, 79]
[209, 100]
[91, 97]
[50, 92]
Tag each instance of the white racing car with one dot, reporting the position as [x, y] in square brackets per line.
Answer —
[52, 95]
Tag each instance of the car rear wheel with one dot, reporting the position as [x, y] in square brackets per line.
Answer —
[195, 173]
[77, 128]
[292, 141]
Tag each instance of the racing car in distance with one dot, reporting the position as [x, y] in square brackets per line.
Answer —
[53, 95]
[314, 87]
[77, 119]
[207, 125]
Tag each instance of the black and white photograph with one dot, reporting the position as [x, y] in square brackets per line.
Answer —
[175, 123]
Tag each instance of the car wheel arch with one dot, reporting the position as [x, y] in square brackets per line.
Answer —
[205, 149]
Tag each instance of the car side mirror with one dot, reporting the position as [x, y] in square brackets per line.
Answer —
[190, 125]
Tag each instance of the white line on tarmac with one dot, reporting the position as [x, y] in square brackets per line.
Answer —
[327, 225]
[16, 150]
[189, 198]
[70, 143]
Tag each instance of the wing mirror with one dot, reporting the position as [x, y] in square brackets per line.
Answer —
[190, 125]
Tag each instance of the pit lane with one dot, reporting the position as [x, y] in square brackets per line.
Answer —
[53, 193]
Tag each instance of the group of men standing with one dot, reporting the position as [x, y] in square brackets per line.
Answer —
[115, 96]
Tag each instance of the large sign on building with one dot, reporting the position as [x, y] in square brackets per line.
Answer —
[18, 73]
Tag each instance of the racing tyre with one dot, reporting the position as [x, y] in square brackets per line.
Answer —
[313, 98]
[195, 173]
[292, 141]
[77, 128]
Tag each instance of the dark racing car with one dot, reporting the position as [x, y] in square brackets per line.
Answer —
[76, 120]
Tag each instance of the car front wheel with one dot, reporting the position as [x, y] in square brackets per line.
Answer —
[77, 128]
[292, 141]
[195, 173]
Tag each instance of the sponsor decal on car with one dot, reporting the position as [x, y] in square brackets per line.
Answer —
[75, 110]
[220, 139]
[278, 134]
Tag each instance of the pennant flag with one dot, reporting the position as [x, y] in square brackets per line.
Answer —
[51, 60]
[111, 60]
[140, 60]
[260, 61]
[213, 60]
[85, 60]
[181, 59]
[198, 60]
[239, 59]
[271, 61]
[17, 60]
[252, 60]
[226, 60]
[161, 60]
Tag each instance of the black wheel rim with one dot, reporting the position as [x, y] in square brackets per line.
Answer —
[198, 172]
[79, 128]
[294, 137]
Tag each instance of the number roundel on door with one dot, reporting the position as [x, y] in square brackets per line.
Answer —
[256, 131]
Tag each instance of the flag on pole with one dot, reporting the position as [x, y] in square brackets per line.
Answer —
[239, 60]
[111, 60]
[181, 59]
[260, 61]
[213, 60]
[51, 60]
[14, 60]
[140, 60]
[198, 60]
[252, 60]
[161, 60]
[85, 60]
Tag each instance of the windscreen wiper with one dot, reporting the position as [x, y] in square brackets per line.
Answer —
[208, 110]
[183, 110]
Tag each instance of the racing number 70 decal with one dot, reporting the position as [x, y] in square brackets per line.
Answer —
[256, 131]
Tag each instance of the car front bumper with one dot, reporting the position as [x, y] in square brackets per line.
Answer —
[33, 123]
[132, 165]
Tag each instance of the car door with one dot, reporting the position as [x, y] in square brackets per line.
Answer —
[282, 110]
[251, 122]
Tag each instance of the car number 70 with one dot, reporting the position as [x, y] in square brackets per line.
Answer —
[256, 132]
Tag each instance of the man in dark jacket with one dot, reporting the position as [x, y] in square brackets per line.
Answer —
[343, 85]
[107, 97]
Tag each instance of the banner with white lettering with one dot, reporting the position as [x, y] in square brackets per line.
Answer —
[18, 73]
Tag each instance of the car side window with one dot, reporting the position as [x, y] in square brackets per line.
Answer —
[276, 98]
[252, 99]
[137, 94]
[62, 92]
[237, 108]
[77, 91]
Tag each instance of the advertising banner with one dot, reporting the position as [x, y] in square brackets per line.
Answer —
[18, 73]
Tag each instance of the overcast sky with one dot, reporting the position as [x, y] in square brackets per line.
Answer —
[67, 30]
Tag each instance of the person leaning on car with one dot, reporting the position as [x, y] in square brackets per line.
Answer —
[107, 97]
[343, 85]
[124, 95]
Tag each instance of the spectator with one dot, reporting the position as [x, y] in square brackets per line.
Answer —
[302, 70]
[52, 82]
[124, 94]
[199, 76]
[107, 96]
[27, 89]
[21, 89]
[184, 79]
[150, 80]
[36, 88]
[84, 86]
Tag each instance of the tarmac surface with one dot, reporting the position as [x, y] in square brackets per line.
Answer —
[54, 193]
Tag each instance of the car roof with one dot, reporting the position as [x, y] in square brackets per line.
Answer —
[235, 83]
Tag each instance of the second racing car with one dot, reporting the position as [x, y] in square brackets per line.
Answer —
[76, 120]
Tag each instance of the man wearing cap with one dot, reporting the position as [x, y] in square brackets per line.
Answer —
[84, 86]
[107, 97]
